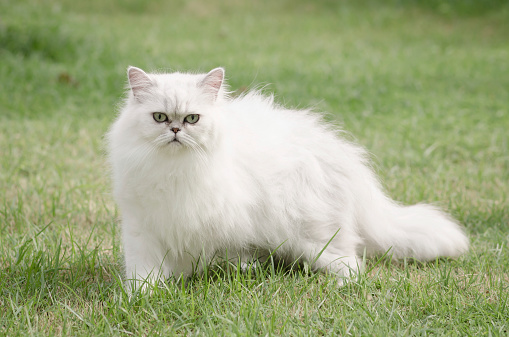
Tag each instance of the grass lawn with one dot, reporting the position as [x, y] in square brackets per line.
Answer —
[424, 86]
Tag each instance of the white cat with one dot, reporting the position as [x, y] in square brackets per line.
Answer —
[197, 173]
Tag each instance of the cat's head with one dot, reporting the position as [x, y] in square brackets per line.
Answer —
[173, 113]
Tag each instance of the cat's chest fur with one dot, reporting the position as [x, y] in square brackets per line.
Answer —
[185, 197]
[194, 200]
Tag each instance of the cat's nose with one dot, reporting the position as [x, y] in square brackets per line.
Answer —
[175, 130]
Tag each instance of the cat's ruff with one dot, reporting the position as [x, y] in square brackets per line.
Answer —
[246, 174]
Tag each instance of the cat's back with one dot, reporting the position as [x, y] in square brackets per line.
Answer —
[285, 150]
[259, 126]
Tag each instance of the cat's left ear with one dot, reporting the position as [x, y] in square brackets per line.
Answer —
[212, 82]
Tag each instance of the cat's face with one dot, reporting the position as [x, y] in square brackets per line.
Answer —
[174, 113]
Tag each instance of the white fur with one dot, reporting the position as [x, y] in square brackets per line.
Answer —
[251, 175]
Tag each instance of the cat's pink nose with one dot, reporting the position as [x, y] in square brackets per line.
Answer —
[175, 130]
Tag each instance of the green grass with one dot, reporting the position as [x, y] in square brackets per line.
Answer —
[423, 85]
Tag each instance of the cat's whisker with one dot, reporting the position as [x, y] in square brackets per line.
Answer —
[162, 139]
[131, 155]
[137, 162]
[197, 148]
[147, 149]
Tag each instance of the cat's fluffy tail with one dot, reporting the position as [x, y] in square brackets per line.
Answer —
[421, 231]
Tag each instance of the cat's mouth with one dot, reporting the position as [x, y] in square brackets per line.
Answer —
[174, 141]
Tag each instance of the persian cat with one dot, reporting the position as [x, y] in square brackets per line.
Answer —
[197, 173]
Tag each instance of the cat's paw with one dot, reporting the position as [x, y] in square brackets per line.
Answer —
[345, 268]
[249, 265]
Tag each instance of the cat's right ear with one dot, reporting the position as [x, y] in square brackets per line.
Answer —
[139, 82]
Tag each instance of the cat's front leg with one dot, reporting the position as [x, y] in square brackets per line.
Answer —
[144, 258]
[245, 257]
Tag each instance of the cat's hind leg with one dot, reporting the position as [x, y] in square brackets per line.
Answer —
[337, 256]
[345, 266]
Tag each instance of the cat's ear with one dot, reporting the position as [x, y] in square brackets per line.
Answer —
[212, 82]
[139, 82]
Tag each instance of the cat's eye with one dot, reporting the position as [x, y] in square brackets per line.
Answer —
[191, 119]
[160, 117]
